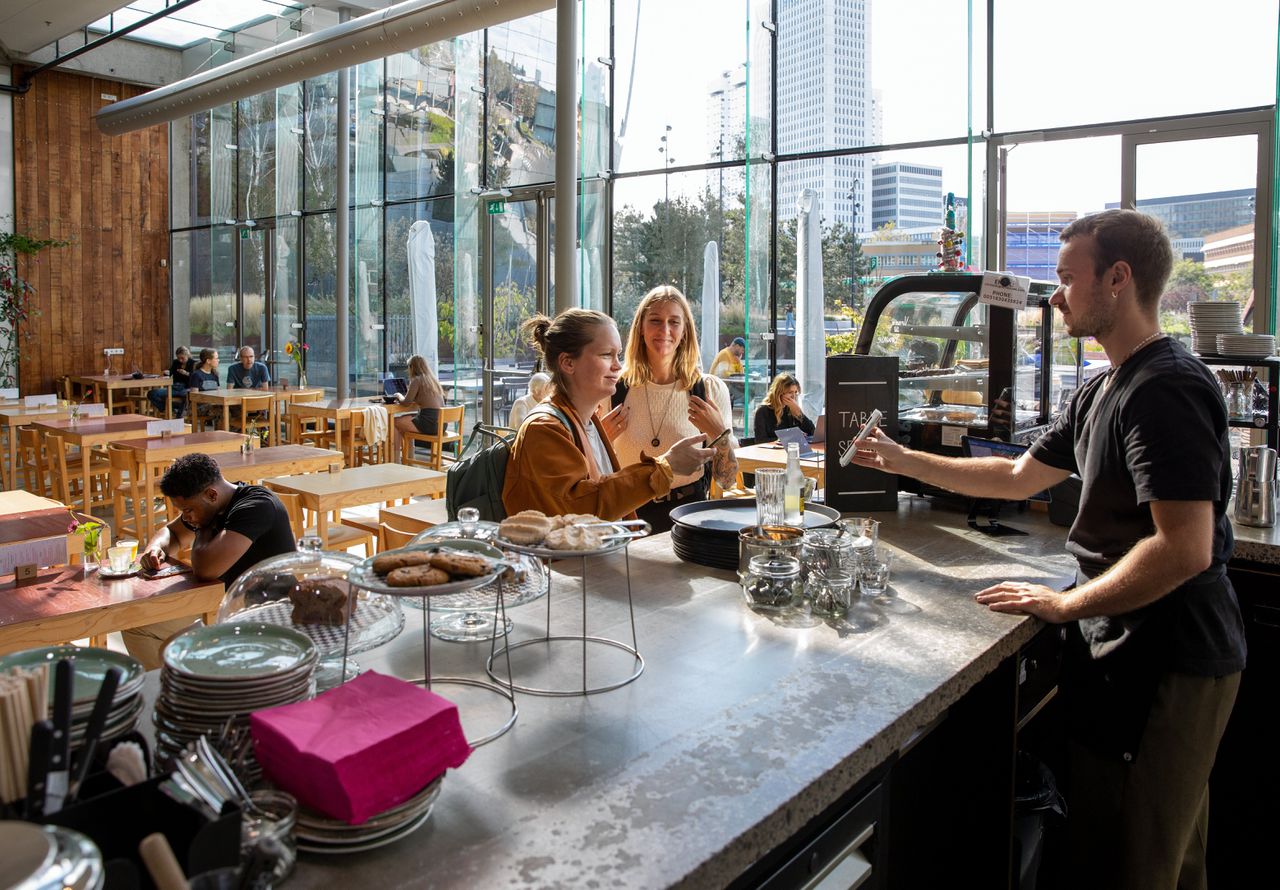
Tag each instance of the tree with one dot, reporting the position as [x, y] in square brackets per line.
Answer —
[1190, 281]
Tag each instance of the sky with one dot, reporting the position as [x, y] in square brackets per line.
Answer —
[1056, 65]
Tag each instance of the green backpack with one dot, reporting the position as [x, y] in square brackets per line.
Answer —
[476, 478]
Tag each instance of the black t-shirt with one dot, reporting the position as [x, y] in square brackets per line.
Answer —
[1157, 433]
[256, 513]
[766, 424]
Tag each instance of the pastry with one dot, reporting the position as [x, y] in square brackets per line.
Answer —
[461, 565]
[399, 559]
[417, 576]
[569, 519]
[576, 538]
[525, 528]
[321, 601]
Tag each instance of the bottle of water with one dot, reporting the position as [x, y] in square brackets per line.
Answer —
[793, 488]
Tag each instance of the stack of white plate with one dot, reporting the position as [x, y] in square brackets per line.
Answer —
[212, 675]
[1247, 345]
[91, 666]
[317, 833]
[1209, 318]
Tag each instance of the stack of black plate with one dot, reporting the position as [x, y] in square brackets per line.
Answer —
[706, 532]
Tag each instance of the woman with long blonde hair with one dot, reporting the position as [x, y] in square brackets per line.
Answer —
[663, 397]
[781, 409]
[427, 395]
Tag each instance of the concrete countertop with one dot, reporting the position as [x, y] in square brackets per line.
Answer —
[741, 728]
[1256, 544]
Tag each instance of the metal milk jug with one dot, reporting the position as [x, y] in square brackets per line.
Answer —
[1256, 487]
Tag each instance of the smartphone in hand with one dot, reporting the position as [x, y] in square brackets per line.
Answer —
[164, 571]
[872, 423]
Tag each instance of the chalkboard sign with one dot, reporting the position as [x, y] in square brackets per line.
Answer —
[856, 385]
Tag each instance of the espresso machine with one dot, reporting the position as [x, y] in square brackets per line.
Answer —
[1256, 487]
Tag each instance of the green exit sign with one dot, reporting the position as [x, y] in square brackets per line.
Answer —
[497, 206]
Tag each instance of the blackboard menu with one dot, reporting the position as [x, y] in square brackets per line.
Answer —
[856, 385]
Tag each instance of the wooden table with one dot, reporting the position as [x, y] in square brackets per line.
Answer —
[281, 460]
[154, 454]
[111, 383]
[228, 397]
[25, 502]
[415, 516]
[755, 457]
[92, 431]
[12, 418]
[323, 493]
[339, 411]
[66, 604]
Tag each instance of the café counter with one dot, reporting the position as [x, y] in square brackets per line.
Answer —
[749, 741]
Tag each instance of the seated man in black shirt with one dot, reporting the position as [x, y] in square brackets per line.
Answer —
[229, 527]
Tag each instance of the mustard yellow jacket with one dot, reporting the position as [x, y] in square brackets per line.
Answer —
[547, 471]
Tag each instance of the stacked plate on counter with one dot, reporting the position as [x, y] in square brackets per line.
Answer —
[1209, 318]
[91, 666]
[317, 833]
[1246, 345]
[212, 675]
[706, 532]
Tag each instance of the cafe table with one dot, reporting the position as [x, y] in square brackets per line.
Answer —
[68, 603]
[110, 384]
[226, 398]
[340, 411]
[89, 432]
[757, 457]
[323, 493]
[415, 516]
[279, 460]
[19, 501]
[13, 417]
[154, 454]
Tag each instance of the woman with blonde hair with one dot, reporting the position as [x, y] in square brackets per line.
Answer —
[781, 409]
[425, 394]
[561, 461]
[664, 397]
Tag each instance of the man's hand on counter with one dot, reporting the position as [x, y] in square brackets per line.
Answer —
[1047, 604]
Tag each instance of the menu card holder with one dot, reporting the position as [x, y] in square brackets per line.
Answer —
[38, 401]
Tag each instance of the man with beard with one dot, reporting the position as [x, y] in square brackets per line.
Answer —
[1156, 641]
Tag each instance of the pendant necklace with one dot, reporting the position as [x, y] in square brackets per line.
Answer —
[657, 432]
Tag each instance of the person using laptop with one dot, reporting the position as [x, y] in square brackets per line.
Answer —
[425, 394]
[781, 409]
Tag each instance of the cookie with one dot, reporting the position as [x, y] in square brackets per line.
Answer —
[399, 559]
[569, 519]
[417, 576]
[461, 565]
[576, 538]
[524, 528]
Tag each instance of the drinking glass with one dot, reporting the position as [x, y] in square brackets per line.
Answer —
[831, 594]
[120, 557]
[770, 498]
[874, 574]
[865, 534]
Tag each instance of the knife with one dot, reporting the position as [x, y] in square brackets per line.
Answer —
[97, 720]
[60, 753]
[38, 767]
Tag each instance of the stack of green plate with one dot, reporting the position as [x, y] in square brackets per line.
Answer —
[91, 665]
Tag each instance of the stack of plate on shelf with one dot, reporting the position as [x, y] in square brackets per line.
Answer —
[1209, 318]
[212, 675]
[91, 666]
[706, 532]
[1247, 345]
[317, 833]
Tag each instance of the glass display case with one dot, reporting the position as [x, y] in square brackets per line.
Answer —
[966, 367]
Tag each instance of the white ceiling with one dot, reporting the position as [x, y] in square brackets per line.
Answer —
[28, 25]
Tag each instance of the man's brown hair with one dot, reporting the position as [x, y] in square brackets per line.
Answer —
[1133, 237]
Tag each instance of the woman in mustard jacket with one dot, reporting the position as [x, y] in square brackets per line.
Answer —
[562, 461]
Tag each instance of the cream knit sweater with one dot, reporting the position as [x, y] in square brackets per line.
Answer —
[663, 410]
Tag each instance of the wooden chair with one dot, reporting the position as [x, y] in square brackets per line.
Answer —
[133, 516]
[31, 458]
[341, 537]
[67, 487]
[390, 538]
[362, 449]
[260, 404]
[307, 426]
[442, 436]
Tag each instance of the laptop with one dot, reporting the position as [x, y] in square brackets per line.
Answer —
[393, 385]
[820, 430]
[796, 435]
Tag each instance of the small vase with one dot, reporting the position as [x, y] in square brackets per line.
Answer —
[92, 559]
[74, 412]
[302, 379]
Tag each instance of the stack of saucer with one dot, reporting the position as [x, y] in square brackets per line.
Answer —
[212, 675]
[90, 668]
[1247, 345]
[318, 833]
[1209, 318]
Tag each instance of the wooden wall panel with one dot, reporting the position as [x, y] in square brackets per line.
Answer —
[109, 196]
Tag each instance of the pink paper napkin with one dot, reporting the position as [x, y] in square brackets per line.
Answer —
[360, 748]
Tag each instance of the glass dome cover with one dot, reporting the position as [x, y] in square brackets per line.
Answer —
[308, 590]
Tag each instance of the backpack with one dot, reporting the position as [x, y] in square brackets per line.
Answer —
[476, 478]
[699, 389]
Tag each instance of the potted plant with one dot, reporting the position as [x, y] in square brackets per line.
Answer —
[17, 299]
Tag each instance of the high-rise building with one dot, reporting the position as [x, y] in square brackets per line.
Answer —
[1194, 216]
[830, 111]
[1031, 242]
[727, 131]
[907, 195]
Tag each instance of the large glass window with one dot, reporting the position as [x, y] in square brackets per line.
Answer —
[421, 107]
[319, 142]
[521, 74]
